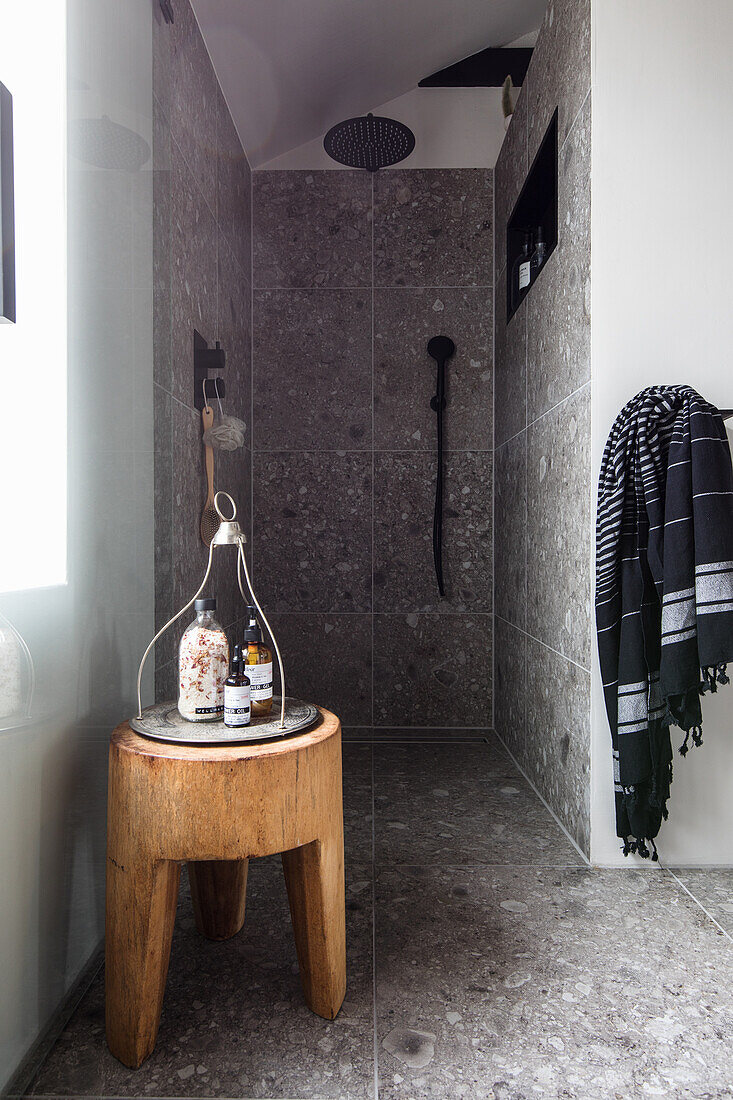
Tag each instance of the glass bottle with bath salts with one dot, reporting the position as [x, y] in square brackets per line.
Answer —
[258, 668]
[203, 666]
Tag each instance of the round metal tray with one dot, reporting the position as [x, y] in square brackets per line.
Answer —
[162, 722]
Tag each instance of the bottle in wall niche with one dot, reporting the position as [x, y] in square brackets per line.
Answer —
[203, 665]
[521, 270]
[539, 254]
[236, 692]
[259, 666]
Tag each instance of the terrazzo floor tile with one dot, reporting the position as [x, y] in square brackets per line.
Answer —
[306, 342]
[312, 546]
[404, 321]
[433, 227]
[466, 816]
[427, 665]
[581, 984]
[328, 659]
[234, 1020]
[404, 494]
[312, 229]
[500, 982]
[712, 887]
[510, 704]
[481, 762]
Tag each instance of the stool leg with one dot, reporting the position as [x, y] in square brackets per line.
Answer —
[219, 894]
[314, 875]
[141, 911]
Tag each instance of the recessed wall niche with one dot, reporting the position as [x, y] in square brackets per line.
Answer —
[536, 208]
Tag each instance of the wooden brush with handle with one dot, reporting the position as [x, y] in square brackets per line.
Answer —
[209, 518]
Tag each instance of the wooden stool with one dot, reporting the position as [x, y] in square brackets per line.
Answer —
[215, 807]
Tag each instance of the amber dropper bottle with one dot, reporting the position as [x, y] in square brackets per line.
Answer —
[258, 668]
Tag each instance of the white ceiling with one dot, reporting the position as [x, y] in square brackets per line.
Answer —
[290, 69]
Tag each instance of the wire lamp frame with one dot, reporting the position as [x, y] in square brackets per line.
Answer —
[228, 534]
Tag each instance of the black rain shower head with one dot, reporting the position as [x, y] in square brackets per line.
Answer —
[369, 141]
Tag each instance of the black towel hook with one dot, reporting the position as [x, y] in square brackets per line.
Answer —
[440, 348]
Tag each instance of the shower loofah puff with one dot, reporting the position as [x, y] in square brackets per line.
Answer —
[226, 435]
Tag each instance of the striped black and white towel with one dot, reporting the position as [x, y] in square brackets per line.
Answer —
[664, 589]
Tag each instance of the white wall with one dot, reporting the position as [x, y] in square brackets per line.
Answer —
[662, 159]
[86, 634]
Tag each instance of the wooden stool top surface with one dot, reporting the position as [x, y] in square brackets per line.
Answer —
[127, 740]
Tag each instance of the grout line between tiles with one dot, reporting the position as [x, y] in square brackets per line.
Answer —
[540, 642]
[371, 562]
[575, 119]
[697, 902]
[531, 423]
[263, 452]
[367, 286]
[493, 455]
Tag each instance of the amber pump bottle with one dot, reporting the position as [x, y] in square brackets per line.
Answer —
[258, 659]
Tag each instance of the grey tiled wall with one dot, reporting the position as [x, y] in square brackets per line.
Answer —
[542, 456]
[352, 275]
[202, 270]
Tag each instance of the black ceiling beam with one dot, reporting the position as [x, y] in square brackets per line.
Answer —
[485, 69]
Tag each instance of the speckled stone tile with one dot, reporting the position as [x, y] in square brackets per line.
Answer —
[187, 500]
[232, 473]
[193, 273]
[465, 816]
[233, 187]
[312, 229]
[510, 521]
[432, 668]
[234, 331]
[433, 227]
[510, 694]
[328, 660]
[404, 496]
[312, 538]
[166, 681]
[560, 70]
[404, 374]
[465, 767]
[510, 173]
[234, 1021]
[162, 490]
[713, 889]
[413, 735]
[560, 528]
[193, 101]
[578, 984]
[558, 305]
[357, 784]
[161, 249]
[558, 737]
[313, 369]
[189, 554]
[510, 371]
[162, 50]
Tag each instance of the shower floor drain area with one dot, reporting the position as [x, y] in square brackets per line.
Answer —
[162, 722]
